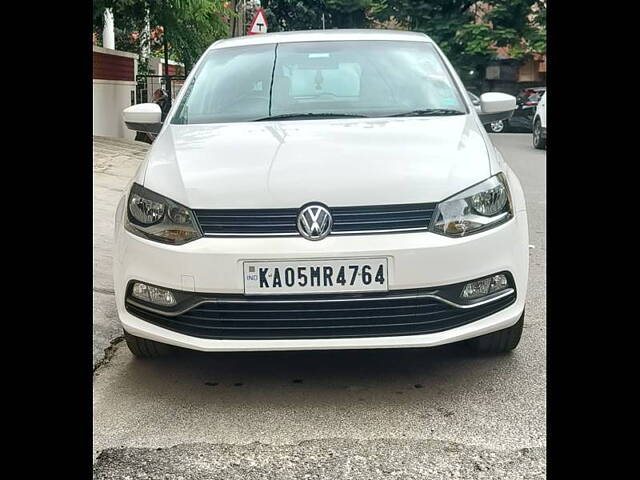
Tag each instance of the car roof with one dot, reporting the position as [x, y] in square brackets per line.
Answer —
[321, 35]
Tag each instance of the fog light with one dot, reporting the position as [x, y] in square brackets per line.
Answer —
[478, 288]
[498, 282]
[485, 286]
[148, 293]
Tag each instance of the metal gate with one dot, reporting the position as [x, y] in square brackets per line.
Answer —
[147, 84]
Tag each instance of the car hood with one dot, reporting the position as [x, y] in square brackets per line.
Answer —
[338, 162]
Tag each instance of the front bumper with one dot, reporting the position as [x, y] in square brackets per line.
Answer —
[415, 261]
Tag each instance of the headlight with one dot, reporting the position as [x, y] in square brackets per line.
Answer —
[153, 216]
[478, 208]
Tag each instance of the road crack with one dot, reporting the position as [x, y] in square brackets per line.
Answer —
[109, 352]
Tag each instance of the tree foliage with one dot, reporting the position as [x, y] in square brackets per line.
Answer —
[288, 15]
[518, 25]
[349, 13]
[467, 30]
[190, 26]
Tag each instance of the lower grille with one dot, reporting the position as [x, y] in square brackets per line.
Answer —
[406, 312]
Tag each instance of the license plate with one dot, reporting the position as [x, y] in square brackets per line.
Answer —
[315, 276]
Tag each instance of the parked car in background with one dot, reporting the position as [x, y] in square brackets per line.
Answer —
[522, 119]
[540, 124]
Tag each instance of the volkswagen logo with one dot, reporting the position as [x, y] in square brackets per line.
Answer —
[314, 222]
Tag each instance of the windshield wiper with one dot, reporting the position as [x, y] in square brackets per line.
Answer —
[292, 116]
[428, 112]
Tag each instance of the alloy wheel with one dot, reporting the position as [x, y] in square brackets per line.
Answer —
[497, 127]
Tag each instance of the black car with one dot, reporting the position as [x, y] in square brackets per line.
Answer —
[522, 119]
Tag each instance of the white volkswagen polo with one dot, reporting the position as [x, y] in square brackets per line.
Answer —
[321, 190]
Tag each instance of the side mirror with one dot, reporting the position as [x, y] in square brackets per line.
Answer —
[144, 117]
[495, 106]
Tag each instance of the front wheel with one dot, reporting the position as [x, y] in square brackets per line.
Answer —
[144, 348]
[502, 341]
[498, 127]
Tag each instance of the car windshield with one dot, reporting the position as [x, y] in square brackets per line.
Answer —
[319, 79]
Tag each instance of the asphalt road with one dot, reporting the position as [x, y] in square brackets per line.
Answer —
[414, 413]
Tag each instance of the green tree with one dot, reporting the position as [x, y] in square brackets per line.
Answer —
[195, 29]
[289, 15]
[188, 26]
[349, 13]
[469, 31]
[517, 25]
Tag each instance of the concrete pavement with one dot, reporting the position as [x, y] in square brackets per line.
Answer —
[114, 163]
[430, 413]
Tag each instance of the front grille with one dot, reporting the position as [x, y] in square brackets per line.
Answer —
[346, 220]
[406, 312]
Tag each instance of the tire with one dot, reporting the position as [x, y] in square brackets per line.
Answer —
[144, 348]
[538, 142]
[498, 127]
[502, 341]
